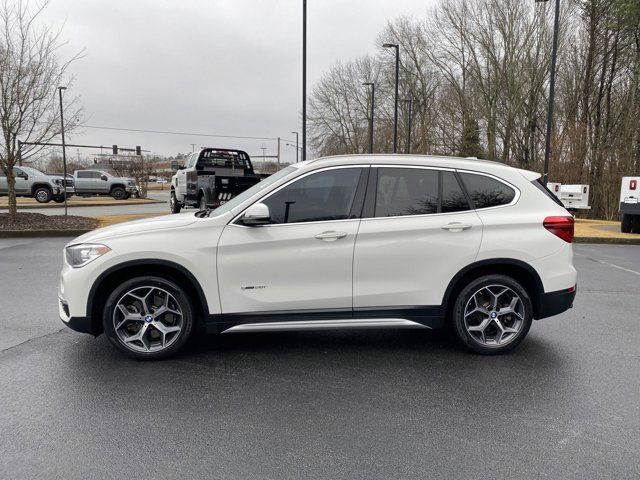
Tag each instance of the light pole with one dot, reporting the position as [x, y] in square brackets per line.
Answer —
[304, 80]
[395, 110]
[552, 90]
[64, 153]
[409, 103]
[297, 148]
[371, 117]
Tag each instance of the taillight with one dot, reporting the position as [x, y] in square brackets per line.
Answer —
[561, 227]
[633, 184]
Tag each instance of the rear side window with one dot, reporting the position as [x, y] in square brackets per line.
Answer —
[84, 174]
[406, 191]
[486, 192]
[453, 198]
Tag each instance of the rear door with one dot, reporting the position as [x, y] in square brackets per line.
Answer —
[418, 230]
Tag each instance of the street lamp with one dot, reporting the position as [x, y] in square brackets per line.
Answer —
[395, 110]
[304, 80]
[552, 90]
[296, 134]
[373, 98]
[409, 103]
[64, 153]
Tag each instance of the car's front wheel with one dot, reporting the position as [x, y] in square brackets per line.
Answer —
[43, 195]
[148, 317]
[492, 314]
[118, 193]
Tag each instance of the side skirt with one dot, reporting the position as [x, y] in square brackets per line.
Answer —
[378, 317]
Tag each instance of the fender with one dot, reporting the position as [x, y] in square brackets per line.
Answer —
[148, 261]
[494, 262]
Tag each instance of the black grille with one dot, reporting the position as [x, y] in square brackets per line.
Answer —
[69, 183]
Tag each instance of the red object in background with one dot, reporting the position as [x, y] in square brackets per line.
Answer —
[633, 184]
[561, 227]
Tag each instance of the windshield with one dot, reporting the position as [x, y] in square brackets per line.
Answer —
[31, 170]
[238, 199]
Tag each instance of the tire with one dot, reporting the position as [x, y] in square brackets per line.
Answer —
[635, 224]
[164, 333]
[42, 195]
[478, 323]
[202, 202]
[118, 193]
[174, 204]
[625, 225]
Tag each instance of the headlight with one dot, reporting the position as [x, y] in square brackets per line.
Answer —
[57, 181]
[79, 255]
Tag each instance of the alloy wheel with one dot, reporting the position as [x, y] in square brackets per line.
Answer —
[494, 315]
[147, 319]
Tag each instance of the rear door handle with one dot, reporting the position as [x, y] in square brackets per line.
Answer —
[456, 227]
[330, 236]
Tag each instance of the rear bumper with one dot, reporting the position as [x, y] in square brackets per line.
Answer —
[630, 208]
[554, 303]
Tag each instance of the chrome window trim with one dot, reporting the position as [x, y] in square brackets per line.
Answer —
[273, 192]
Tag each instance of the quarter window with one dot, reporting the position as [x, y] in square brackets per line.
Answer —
[487, 192]
[317, 197]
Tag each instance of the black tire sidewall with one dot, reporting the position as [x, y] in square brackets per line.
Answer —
[43, 189]
[179, 294]
[626, 223]
[465, 295]
[118, 193]
[173, 203]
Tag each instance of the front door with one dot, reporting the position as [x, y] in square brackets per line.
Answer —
[301, 263]
[419, 233]
[22, 185]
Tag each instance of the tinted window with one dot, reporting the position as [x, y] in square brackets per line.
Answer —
[486, 191]
[321, 196]
[97, 175]
[453, 198]
[406, 191]
[84, 174]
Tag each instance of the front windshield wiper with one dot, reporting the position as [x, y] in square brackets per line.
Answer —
[204, 213]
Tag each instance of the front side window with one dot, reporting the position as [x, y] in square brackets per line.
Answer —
[487, 192]
[321, 196]
[406, 191]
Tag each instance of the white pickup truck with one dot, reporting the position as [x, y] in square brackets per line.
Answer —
[630, 204]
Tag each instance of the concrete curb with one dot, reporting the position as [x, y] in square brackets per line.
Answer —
[41, 233]
[608, 240]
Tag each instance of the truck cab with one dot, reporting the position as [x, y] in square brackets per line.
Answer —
[211, 177]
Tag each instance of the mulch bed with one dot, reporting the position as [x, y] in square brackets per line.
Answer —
[39, 221]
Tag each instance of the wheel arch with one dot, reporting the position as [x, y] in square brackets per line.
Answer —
[38, 185]
[516, 269]
[110, 278]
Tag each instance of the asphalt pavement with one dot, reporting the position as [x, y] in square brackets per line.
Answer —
[388, 404]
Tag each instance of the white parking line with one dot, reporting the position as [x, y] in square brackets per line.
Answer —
[607, 263]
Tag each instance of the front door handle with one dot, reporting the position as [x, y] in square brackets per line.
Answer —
[456, 227]
[331, 236]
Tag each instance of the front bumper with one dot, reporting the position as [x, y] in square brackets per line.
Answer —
[79, 324]
[554, 303]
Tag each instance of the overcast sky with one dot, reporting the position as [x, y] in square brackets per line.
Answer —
[227, 67]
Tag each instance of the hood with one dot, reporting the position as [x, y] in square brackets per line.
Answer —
[136, 226]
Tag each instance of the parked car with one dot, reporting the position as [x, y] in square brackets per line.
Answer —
[340, 242]
[33, 183]
[630, 205]
[98, 182]
[211, 177]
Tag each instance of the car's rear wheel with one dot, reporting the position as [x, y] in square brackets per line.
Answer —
[203, 202]
[635, 224]
[173, 203]
[118, 193]
[148, 317]
[625, 225]
[43, 195]
[492, 314]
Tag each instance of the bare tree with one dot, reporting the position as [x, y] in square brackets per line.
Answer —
[30, 73]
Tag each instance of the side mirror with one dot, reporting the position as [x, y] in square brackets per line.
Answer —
[23, 175]
[104, 177]
[256, 214]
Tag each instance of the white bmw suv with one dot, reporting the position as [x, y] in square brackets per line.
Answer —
[340, 242]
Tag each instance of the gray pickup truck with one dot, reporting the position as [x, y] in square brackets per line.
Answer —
[98, 182]
[33, 183]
